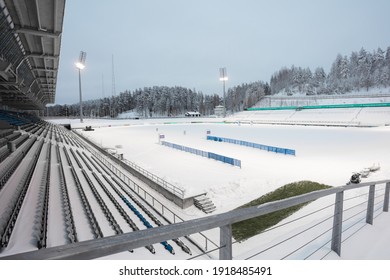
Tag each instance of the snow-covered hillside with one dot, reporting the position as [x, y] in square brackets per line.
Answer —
[373, 95]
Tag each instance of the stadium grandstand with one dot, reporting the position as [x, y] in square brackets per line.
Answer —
[30, 40]
[36, 157]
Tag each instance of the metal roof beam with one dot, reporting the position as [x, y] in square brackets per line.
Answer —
[37, 32]
[6, 91]
[45, 69]
[47, 85]
[45, 78]
[42, 55]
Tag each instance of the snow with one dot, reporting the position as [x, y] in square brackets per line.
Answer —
[261, 170]
[324, 154]
[373, 95]
[128, 115]
[325, 117]
[327, 155]
[372, 242]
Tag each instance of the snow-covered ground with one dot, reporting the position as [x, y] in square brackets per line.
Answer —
[373, 95]
[329, 117]
[324, 154]
[317, 158]
[328, 152]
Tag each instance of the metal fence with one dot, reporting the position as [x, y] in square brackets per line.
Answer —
[253, 145]
[339, 225]
[224, 159]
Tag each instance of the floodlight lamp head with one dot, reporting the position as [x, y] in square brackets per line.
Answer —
[80, 65]
[82, 57]
[223, 74]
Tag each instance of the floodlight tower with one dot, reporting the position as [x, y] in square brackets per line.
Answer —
[81, 65]
[113, 87]
[223, 77]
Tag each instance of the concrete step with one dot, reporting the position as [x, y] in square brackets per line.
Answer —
[205, 204]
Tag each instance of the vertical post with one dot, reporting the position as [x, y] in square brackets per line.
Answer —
[370, 205]
[223, 78]
[224, 99]
[81, 65]
[386, 202]
[81, 98]
[225, 243]
[337, 223]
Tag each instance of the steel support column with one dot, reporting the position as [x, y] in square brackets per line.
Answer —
[386, 201]
[337, 223]
[370, 205]
[225, 251]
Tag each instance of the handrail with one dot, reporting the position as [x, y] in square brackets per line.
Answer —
[175, 190]
[143, 193]
[92, 249]
[180, 192]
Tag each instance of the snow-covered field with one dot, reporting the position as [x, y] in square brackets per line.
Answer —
[327, 155]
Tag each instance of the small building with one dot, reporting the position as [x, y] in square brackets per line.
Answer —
[192, 114]
[219, 111]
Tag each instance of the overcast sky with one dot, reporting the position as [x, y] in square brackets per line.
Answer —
[185, 42]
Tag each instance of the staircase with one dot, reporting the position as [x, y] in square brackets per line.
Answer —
[204, 203]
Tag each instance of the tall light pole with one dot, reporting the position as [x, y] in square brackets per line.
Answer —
[223, 77]
[81, 65]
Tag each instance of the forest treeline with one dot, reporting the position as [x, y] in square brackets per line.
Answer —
[360, 71]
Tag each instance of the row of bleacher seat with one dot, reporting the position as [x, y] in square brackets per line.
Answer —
[20, 189]
[6, 132]
[85, 162]
[11, 162]
[13, 138]
[27, 136]
[17, 119]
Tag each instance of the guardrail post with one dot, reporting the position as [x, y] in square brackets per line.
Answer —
[386, 202]
[370, 205]
[225, 251]
[337, 223]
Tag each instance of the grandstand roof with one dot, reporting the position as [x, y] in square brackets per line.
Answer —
[30, 41]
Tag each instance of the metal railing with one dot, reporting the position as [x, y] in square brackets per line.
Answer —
[111, 245]
[171, 217]
[177, 191]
